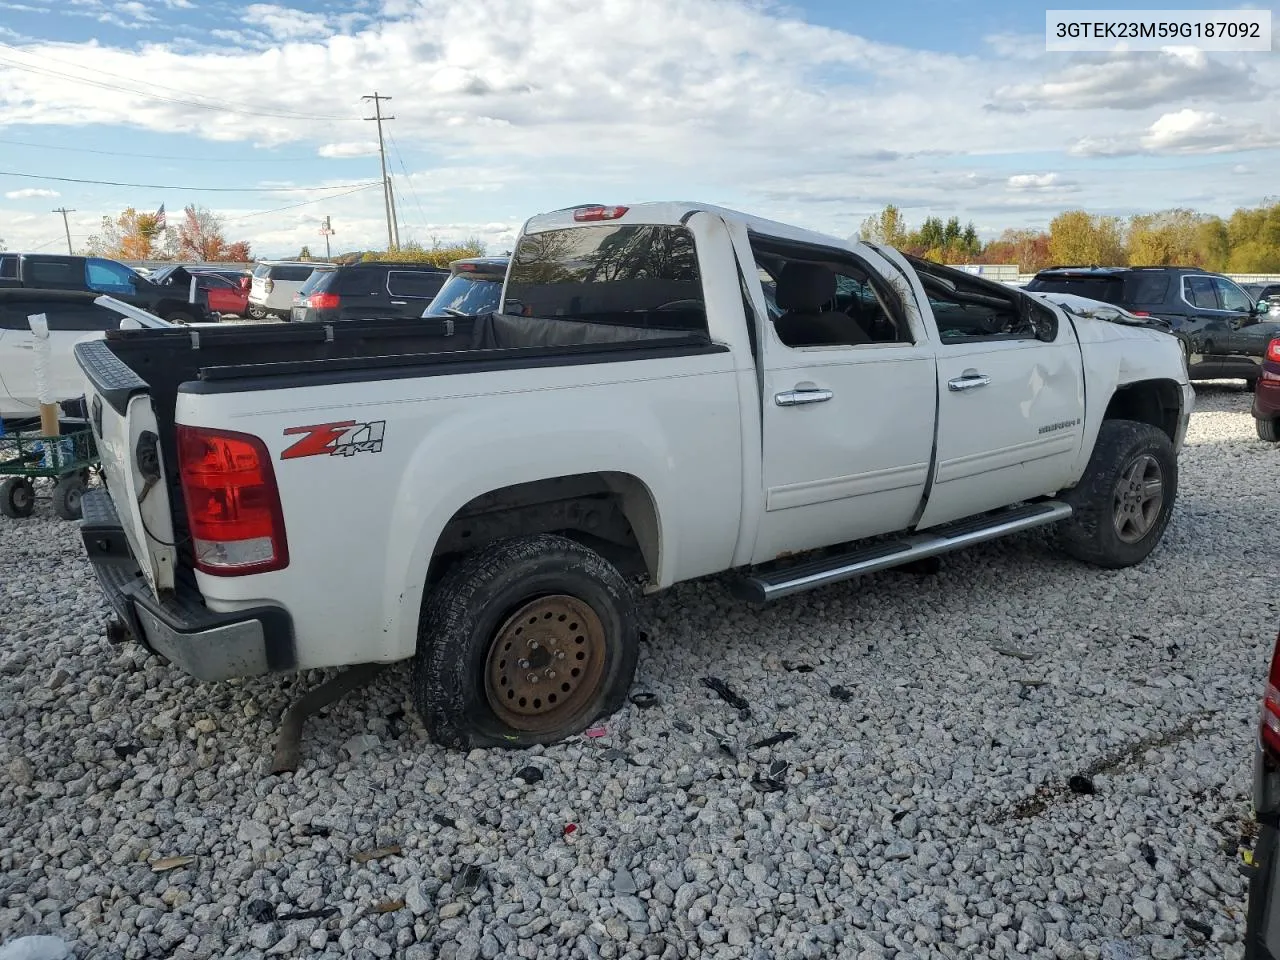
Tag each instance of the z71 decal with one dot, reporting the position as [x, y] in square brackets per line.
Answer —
[344, 439]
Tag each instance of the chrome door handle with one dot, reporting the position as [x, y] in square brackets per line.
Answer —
[792, 398]
[969, 381]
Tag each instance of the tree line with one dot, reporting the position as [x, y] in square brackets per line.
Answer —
[1246, 242]
[141, 236]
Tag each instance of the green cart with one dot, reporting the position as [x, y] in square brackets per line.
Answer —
[68, 460]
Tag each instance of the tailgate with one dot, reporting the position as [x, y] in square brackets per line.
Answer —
[128, 437]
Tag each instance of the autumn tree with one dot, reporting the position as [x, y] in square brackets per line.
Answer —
[1029, 249]
[200, 238]
[130, 236]
[887, 226]
[1253, 237]
[1177, 237]
[1079, 238]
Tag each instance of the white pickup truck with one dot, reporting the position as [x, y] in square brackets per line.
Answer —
[672, 390]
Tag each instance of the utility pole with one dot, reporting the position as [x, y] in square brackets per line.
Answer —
[392, 240]
[395, 220]
[326, 231]
[64, 211]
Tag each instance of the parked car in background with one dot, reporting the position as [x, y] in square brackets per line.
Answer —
[97, 274]
[274, 284]
[642, 417]
[474, 287]
[225, 291]
[1262, 921]
[1269, 292]
[376, 288]
[1266, 395]
[1225, 331]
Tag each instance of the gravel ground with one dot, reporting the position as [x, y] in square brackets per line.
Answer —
[925, 812]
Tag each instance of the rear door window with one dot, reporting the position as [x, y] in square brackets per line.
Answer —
[1199, 292]
[643, 275]
[290, 273]
[416, 284]
[60, 274]
[8, 268]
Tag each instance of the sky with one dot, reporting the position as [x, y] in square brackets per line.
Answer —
[816, 113]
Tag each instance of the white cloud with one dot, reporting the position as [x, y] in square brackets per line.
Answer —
[1185, 132]
[28, 192]
[350, 148]
[1039, 183]
[284, 23]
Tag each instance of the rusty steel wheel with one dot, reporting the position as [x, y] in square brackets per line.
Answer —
[545, 663]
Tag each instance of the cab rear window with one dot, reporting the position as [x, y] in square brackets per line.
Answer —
[643, 275]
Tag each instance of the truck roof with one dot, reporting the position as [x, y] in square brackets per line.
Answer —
[677, 211]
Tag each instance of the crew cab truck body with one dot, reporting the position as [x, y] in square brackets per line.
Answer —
[673, 390]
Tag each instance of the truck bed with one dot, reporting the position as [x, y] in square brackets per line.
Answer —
[164, 362]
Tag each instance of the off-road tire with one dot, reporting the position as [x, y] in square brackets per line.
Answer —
[1090, 533]
[17, 498]
[66, 497]
[1268, 430]
[462, 619]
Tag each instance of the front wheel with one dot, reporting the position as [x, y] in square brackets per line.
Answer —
[1268, 430]
[17, 498]
[180, 318]
[256, 312]
[1122, 504]
[525, 641]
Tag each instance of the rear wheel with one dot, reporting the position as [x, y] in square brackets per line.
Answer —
[180, 317]
[525, 641]
[256, 312]
[1268, 430]
[67, 493]
[17, 498]
[1122, 504]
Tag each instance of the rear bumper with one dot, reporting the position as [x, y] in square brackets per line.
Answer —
[1266, 398]
[208, 645]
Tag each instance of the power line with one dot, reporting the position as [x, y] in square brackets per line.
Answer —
[149, 156]
[170, 186]
[207, 103]
[332, 196]
[409, 180]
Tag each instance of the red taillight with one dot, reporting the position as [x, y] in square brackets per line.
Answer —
[324, 301]
[469, 267]
[1140, 313]
[233, 504]
[592, 214]
[1273, 350]
[268, 284]
[1269, 727]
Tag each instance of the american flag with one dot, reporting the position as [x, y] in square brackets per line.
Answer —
[160, 222]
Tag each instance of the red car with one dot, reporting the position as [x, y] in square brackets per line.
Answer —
[1266, 397]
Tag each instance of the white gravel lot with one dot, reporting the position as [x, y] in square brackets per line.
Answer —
[924, 815]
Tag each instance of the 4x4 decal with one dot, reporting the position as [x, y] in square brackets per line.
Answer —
[344, 439]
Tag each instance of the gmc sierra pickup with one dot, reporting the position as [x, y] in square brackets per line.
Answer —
[671, 390]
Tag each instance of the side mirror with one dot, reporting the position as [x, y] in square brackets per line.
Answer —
[1263, 306]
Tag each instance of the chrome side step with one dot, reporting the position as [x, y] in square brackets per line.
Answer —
[768, 585]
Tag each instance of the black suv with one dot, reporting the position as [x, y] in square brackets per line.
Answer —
[44, 271]
[474, 288]
[1226, 331]
[377, 288]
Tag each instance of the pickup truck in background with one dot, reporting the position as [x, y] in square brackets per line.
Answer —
[671, 390]
[46, 271]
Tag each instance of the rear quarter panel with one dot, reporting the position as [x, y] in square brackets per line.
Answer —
[362, 528]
